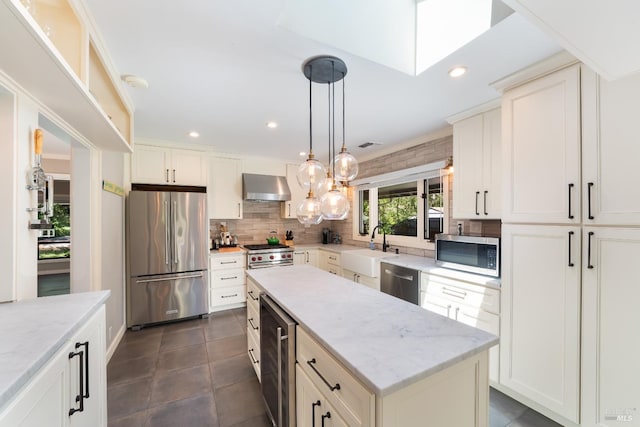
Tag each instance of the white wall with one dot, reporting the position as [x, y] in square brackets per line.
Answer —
[113, 274]
[8, 190]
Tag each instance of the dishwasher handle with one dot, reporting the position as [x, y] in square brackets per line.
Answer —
[398, 276]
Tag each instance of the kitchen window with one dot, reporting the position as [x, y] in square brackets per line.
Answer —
[410, 205]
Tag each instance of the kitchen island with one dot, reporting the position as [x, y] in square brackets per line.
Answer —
[52, 350]
[409, 367]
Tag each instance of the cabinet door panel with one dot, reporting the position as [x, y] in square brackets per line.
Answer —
[467, 152]
[611, 343]
[188, 168]
[541, 149]
[288, 208]
[492, 165]
[225, 189]
[540, 328]
[150, 165]
[611, 150]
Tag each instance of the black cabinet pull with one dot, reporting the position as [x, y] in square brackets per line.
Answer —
[570, 188]
[325, 416]
[174, 175]
[485, 202]
[167, 175]
[252, 297]
[570, 237]
[86, 366]
[589, 250]
[313, 412]
[589, 186]
[80, 396]
[253, 359]
[331, 387]
[477, 194]
[252, 325]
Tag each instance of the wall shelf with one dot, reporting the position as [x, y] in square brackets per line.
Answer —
[57, 71]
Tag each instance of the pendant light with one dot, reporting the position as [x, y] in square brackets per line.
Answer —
[311, 174]
[333, 204]
[347, 165]
[308, 211]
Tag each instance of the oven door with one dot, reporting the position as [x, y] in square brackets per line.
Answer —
[277, 359]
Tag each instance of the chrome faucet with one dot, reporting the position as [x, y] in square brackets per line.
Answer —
[384, 237]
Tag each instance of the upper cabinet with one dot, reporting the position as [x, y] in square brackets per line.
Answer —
[541, 148]
[477, 158]
[570, 148]
[67, 70]
[157, 165]
[224, 190]
[289, 207]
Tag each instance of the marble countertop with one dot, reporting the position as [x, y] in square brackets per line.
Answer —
[331, 247]
[385, 342]
[34, 330]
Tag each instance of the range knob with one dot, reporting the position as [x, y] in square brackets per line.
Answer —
[253, 258]
[288, 255]
[271, 257]
[259, 258]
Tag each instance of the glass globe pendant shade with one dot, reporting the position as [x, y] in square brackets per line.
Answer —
[311, 175]
[309, 212]
[334, 205]
[346, 166]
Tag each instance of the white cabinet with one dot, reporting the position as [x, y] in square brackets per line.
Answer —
[330, 262]
[306, 256]
[372, 282]
[226, 281]
[471, 304]
[610, 340]
[289, 207]
[541, 150]
[477, 191]
[74, 379]
[610, 150]
[312, 408]
[253, 324]
[224, 192]
[158, 165]
[352, 401]
[540, 332]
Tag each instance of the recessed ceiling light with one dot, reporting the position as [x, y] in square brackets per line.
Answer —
[194, 134]
[302, 153]
[272, 125]
[135, 81]
[457, 71]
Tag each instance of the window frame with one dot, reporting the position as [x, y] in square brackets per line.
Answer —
[418, 242]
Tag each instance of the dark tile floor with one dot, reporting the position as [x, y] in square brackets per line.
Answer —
[196, 373]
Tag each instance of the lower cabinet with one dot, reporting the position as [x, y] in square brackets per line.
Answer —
[312, 408]
[372, 282]
[253, 324]
[610, 319]
[226, 281]
[471, 304]
[70, 390]
[540, 329]
[306, 256]
[330, 262]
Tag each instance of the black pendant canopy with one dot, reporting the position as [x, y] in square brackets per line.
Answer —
[324, 69]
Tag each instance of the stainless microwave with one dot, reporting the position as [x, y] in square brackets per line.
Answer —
[480, 255]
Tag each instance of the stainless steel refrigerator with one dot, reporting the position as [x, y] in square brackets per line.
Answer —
[167, 250]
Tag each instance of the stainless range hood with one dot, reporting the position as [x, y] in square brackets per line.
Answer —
[265, 187]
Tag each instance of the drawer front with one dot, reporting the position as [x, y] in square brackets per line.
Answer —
[465, 293]
[253, 321]
[225, 296]
[334, 270]
[352, 400]
[253, 350]
[333, 259]
[225, 278]
[223, 262]
[253, 295]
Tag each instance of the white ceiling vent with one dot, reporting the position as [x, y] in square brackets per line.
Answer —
[368, 144]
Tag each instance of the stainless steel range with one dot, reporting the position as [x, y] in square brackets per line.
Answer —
[261, 256]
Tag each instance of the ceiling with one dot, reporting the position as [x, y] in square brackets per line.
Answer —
[226, 68]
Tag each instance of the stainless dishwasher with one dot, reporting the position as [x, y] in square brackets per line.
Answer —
[401, 282]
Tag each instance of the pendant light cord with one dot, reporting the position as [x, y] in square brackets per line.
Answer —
[333, 115]
[343, 138]
[310, 115]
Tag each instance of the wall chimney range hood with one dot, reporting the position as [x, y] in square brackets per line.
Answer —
[265, 188]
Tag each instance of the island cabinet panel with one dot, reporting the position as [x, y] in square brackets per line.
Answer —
[353, 402]
[52, 397]
[253, 324]
[456, 396]
[312, 408]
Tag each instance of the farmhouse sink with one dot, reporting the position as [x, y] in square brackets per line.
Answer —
[364, 261]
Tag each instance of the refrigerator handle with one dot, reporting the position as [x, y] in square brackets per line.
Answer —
[166, 233]
[175, 226]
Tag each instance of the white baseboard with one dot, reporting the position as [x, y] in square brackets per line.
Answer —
[115, 342]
